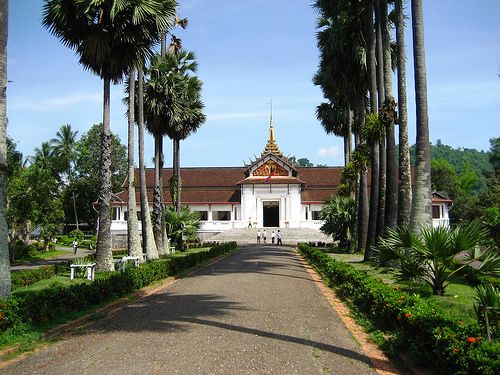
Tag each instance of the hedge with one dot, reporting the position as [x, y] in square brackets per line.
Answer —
[424, 330]
[24, 278]
[41, 307]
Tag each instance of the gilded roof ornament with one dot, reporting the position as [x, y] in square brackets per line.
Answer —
[271, 145]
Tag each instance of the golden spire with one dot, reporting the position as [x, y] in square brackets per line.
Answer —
[271, 145]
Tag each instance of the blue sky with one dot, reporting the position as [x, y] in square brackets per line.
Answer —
[249, 52]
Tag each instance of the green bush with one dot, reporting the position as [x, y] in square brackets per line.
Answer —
[43, 306]
[423, 330]
[27, 277]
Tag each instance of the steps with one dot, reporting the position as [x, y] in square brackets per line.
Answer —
[289, 235]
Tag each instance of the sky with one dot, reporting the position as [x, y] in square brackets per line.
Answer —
[249, 53]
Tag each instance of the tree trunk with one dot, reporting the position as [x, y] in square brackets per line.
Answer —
[104, 255]
[404, 192]
[348, 141]
[157, 201]
[178, 175]
[391, 194]
[381, 100]
[421, 213]
[74, 210]
[5, 279]
[374, 188]
[133, 239]
[363, 190]
[147, 232]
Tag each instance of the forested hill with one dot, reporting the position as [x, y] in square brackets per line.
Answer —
[460, 158]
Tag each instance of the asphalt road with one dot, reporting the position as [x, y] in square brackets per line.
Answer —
[255, 312]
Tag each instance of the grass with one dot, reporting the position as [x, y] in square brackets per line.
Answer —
[52, 283]
[37, 255]
[457, 301]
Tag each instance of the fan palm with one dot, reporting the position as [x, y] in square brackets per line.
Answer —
[339, 214]
[109, 36]
[182, 224]
[435, 250]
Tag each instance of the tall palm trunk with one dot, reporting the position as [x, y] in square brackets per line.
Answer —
[404, 192]
[421, 213]
[133, 240]
[157, 200]
[348, 140]
[148, 243]
[104, 256]
[5, 279]
[74, 210]
[391, 194]
[178, 174]
[381, 100]
[363, 188]
[374, 188]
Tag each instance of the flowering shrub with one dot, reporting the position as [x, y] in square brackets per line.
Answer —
[425, 331]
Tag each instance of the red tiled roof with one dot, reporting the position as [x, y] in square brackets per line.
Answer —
[221, 184]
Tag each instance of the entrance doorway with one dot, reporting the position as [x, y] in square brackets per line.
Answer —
[271, 213]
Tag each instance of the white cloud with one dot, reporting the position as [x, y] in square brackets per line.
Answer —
[330, 151]
[55, 103]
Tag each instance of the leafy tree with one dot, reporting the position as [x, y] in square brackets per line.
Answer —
[110, 37]
[87, 172]
[339, 214]
[302, 162]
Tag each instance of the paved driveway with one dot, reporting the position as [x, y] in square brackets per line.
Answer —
[255, 312]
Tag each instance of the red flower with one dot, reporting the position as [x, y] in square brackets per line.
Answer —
[407, 315]
[456, 350]
[459, 322]
[471, 340]
[4, 305]
[399, 317]
[1, 315]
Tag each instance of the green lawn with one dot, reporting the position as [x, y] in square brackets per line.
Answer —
[37, 255]
[457, 301]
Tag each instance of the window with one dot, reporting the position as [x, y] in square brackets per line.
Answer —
[436, 212]
[203, 215]
[315, 215]
[115, 213]
[221, 215]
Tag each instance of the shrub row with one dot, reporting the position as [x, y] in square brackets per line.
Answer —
[423, 330]
[40, 307]
[24, 278]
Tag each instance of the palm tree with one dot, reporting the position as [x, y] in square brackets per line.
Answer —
[391, 212]
[339, 214]
[44, 156]
[421, 212]
[109, 36]
[64, 148]
[404, 191]
[5, 280]
[133, 240]
[148, 243]
[182, 224]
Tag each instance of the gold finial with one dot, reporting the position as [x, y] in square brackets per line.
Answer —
[271, 145]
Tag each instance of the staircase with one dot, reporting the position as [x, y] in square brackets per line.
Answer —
[289, 235]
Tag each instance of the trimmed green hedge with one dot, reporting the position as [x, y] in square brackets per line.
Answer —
[27, 277]
[423, 330]
[40, 307]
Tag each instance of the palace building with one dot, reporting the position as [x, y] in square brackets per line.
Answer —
[269, 192]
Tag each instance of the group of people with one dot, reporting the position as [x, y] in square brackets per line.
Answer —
[276, 237]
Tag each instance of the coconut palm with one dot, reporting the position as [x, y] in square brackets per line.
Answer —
[64, 148]
[5, 281]
[43, 156]
[404, 191]
[421, 211]
[109, 36]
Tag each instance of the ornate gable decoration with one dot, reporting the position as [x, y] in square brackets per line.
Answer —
[270, 168]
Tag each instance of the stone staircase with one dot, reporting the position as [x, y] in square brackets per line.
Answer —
[289, 235]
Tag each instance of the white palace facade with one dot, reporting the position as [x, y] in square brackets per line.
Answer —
[269, 192]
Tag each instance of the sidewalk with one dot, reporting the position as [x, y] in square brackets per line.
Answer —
[50, 261]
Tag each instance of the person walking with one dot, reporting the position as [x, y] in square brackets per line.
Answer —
[258, 236]
[273, 236]
[279, 237]
[264, 235]
[75, 246]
